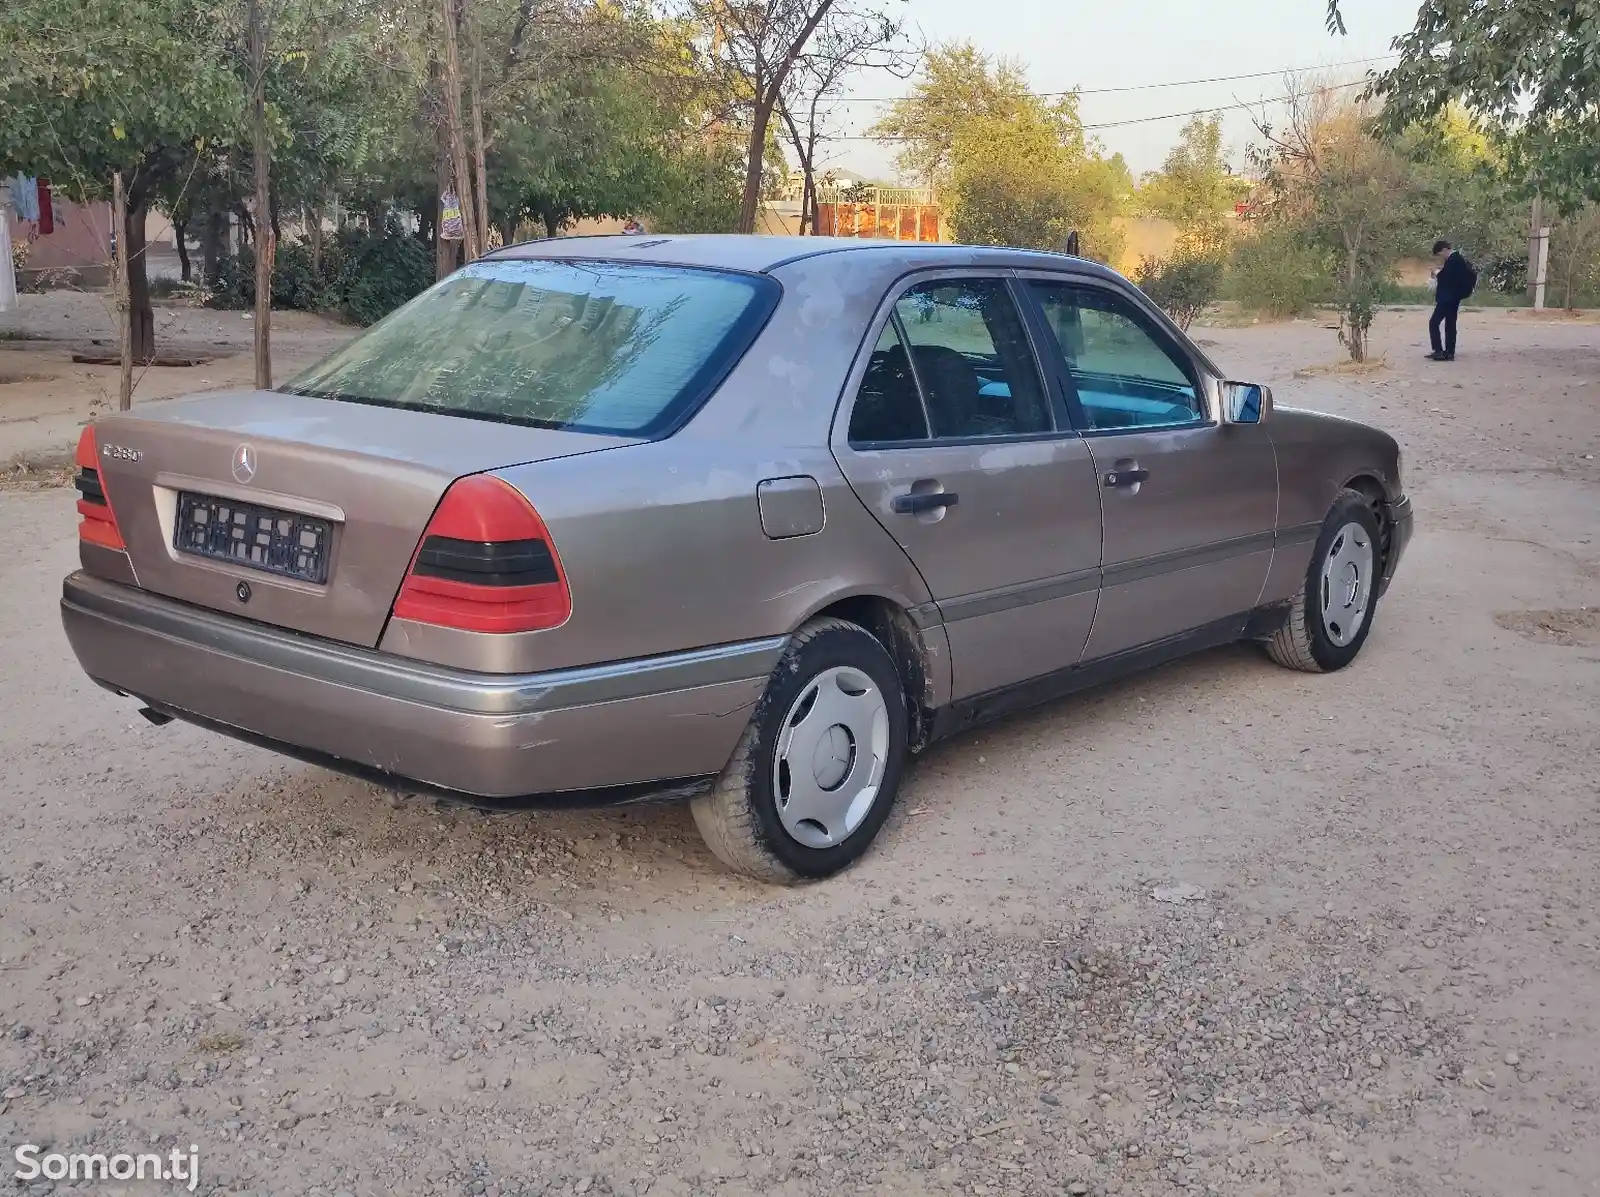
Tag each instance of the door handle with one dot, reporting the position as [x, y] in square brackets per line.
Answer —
[917, 502]
[1119, 478]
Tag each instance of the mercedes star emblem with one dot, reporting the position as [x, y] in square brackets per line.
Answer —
[244, 463]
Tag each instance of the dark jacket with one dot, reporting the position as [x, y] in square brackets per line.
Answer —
[1456, 280]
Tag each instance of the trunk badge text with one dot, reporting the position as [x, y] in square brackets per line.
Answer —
[121, 453]
[244, 463]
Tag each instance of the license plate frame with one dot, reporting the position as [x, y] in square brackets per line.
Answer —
[287, 544]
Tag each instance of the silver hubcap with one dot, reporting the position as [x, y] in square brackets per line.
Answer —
[1346, 584]
[830, 757]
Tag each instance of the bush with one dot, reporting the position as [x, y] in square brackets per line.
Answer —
[381, 274]
[361, 277]
[232, 286]
[1180, 287]
[1278, 274]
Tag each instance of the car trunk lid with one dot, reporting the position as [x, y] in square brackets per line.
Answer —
[296, 511]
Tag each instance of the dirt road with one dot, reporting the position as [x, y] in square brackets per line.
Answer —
[1389, 987]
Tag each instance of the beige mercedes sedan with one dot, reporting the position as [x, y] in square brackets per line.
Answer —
[743, 521]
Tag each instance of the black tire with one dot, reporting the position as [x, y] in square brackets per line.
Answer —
[739, 818]
[1303, 641]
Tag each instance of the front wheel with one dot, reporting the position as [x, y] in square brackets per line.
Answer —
[815, 774]
[1332, 615]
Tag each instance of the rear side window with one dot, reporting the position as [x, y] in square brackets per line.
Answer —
[972, 359]
[888, 407]
[587, 346]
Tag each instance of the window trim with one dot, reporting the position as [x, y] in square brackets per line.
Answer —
[1135, 311]
[886, 314]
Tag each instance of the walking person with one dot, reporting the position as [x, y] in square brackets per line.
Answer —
[1453, 283]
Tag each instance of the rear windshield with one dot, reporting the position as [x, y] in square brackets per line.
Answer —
[588, 346]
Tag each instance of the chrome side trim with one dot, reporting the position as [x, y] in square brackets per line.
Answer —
[1187, 558]
[415, 681]
[1021, 594]
[1299, 534]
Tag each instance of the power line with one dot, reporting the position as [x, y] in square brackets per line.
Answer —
[1145, 120]
[1169, 116]
[1105, 91]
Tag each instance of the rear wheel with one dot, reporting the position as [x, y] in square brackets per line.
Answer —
[1332, 614]
[816, 772]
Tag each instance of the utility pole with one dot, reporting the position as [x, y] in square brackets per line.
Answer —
[1538, 254]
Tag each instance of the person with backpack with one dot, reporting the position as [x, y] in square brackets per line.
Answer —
[1454, 282]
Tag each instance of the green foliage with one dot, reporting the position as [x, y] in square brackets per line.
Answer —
[383, 273]
[1278, 272]
[1574, 275]
[1182, 287]
[1362, 200]
[958, 85]
[1460, 192]
[361, 278]
[1016, 168]
[1529, 68]
[97, 86]
[1194, 189]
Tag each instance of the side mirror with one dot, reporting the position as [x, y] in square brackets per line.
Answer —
[1245, 402]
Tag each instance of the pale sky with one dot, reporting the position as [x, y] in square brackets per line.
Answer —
[1118, 43]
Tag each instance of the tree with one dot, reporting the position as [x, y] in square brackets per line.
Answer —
[957, 86]
[96, 87]
[1362, 198]
[1182, 287]
[1462, 193]
[848, 42]
[1575, 255]
[1195, 190]
[1012, 168]
[758, 42]
[1346, 193]
[1530, 69]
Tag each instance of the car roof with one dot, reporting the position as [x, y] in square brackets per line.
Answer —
[763, 254]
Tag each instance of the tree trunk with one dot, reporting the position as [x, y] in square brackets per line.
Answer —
[119, 275]
[180, 237]
[444, 252]
[479, 150]
[266, 215]
[802, 152]
[213, 244]
[314, 236]
[457, 133]
[141, 313]
[757, 150]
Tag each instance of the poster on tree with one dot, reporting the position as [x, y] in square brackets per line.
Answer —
[449, 217]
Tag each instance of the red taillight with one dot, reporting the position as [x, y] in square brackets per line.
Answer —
[486, 563]
[99, 523]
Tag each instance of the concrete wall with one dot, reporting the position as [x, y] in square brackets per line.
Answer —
[78, 242]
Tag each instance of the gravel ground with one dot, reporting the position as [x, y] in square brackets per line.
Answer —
[1375, 973]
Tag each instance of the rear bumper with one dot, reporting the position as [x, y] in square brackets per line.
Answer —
[591, 736]
[1402, 523]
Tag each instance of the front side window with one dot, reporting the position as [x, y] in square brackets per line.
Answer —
[1124, 376]
[971, 357]
[587, 346]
